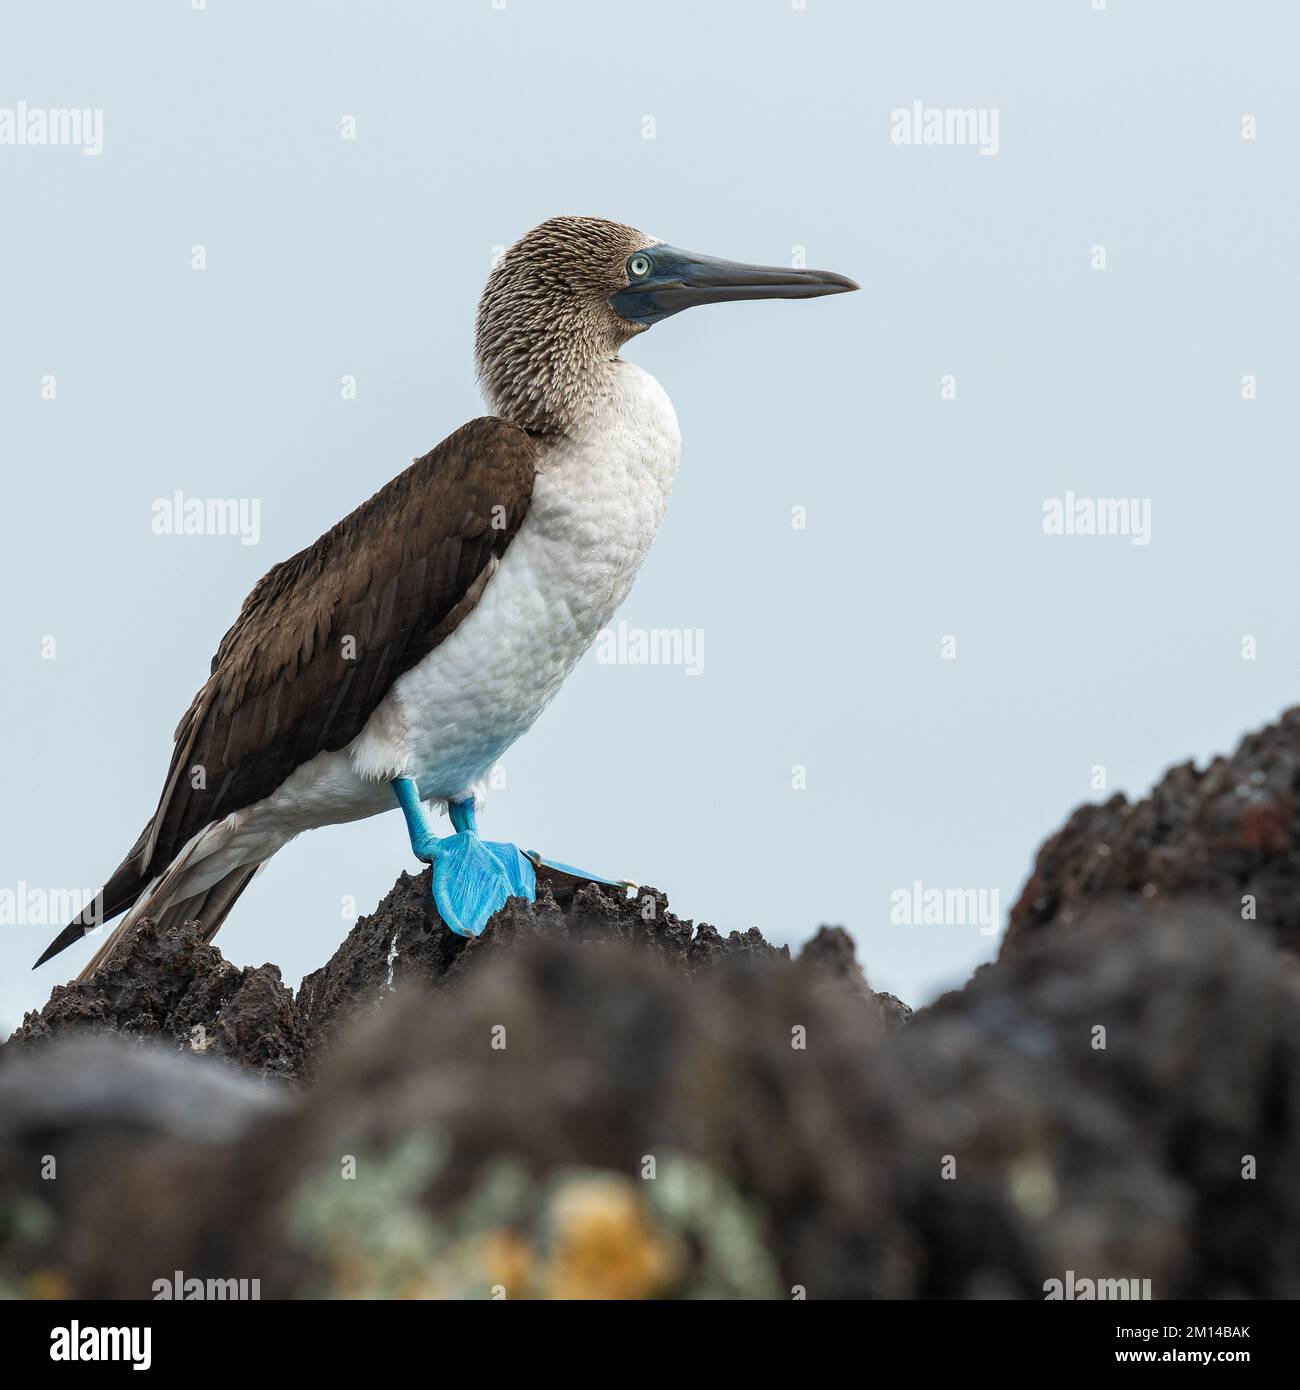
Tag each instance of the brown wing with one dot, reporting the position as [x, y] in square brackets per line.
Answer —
[325, 634]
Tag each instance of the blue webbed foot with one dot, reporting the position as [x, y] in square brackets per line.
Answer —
[557, 867]
[472, 877]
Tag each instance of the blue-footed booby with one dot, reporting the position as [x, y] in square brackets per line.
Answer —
[397, 658]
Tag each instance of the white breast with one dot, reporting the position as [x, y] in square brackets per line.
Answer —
[597, 505]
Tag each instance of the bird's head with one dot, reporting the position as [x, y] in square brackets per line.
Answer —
[567, 295]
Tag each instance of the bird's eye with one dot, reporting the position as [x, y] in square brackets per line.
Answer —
[639, 266]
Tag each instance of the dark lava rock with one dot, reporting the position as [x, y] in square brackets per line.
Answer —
[832, 952]
[1229, 835]
[178, 989]
[79, 1115]
[183, 991]
[598, 1099]
[558, 1059]
[1123, 1102]
[403, 943]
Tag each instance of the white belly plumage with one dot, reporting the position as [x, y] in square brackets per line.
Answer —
[597, 504]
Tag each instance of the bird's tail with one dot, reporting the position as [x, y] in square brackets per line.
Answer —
[120, 893]
[195, 886]
[209, 909]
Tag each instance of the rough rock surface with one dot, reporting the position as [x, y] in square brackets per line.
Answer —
[583, 1121]
[184, 992]
[1229, 835]
[597, 1099]
[179, 989]
[403, 942]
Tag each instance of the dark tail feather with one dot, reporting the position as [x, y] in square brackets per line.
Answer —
[210, 909]
[70, 934]
[118, 894]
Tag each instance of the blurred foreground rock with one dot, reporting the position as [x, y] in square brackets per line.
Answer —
[184, 992]
[597, 1099]
[574, 1121]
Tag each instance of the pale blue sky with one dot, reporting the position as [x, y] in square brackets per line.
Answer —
[822, 646]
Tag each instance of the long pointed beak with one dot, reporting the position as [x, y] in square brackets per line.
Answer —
[680, 279]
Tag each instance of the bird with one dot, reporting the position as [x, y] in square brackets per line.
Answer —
[393, 661]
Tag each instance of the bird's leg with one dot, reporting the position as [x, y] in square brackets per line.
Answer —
[472, 877]
[424, 843]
